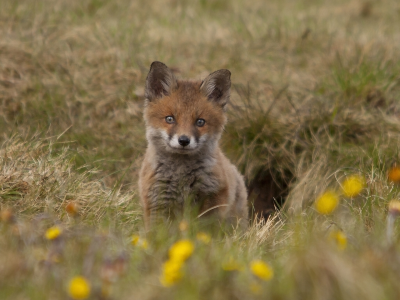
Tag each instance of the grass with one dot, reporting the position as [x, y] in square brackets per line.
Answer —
[314, 99]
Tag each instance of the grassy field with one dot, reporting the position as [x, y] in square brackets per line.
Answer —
[315, 100]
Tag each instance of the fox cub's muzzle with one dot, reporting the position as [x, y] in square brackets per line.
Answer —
[183, 140]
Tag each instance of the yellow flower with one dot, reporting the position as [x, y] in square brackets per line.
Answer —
[327, 202]
[181, 250]
[172, 268]
[353, 185]
[171, 272]
[203, 237]
[53, 232]
[138, 241]
[79, 288]
[339, 238]
[261, 269]
[231, 264]
[394, 207]
[394, 174]
[135, 239]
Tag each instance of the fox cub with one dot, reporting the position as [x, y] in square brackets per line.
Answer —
[183, 161]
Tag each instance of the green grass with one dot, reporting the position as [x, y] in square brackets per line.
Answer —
[314, 99]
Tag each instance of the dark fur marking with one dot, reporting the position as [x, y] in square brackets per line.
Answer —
[216, 94]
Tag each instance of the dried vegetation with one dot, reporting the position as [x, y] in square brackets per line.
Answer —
[315, 98]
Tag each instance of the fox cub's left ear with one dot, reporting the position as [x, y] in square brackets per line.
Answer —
[217, 87]
[159, 82]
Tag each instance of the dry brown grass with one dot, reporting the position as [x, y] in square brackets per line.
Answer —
[315, 98]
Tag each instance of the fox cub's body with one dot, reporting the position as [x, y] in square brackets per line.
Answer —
[184, 122]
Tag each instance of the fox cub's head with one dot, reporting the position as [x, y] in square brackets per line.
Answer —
[182, 116]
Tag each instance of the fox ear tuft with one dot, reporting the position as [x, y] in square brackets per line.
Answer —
[159, 82]
[217, 86]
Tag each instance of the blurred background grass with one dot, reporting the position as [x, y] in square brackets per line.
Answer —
[315, 97]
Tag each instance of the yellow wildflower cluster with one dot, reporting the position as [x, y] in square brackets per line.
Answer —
[339, 238]
[353, 185]
[327, 202]
[181, 250]
[138, 241]
[79, 288]
[261, 269]
[53, 233]
[172, 269]
[171, 272]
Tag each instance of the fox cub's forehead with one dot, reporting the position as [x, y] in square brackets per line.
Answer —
[185, 98]
[188, 92]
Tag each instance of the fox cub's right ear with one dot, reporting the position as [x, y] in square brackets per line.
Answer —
[159, 82]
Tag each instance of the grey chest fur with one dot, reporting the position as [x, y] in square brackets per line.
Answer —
[177, 178]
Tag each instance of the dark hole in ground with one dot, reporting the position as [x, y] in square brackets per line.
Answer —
[266, 195]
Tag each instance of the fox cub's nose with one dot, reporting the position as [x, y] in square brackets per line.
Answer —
[183, 140]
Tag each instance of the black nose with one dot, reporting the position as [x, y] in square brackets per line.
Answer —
[183, 140]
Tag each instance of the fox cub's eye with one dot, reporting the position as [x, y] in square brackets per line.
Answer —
[169, 119]
[200, 122]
